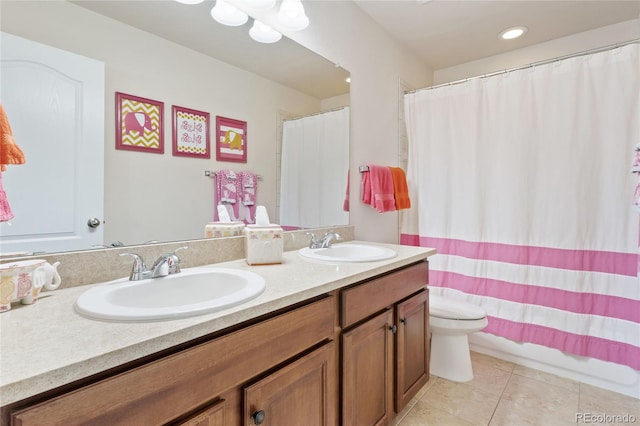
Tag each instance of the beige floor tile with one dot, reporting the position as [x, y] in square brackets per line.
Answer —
[530, 401]
[515, 413]
[424, 414]
[482, 360]
[489, 378]
[505, 394]
[598, 401]
[548, 378]
[402, 414]
[462, 400]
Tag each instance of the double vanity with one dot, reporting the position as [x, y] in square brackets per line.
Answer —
[330, 337]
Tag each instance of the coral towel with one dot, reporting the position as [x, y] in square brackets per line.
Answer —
[400, 188]
[381, 188]
[10, 152]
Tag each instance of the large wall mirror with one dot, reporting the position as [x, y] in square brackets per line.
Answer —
[178, 55]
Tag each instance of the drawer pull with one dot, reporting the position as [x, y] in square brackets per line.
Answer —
[258, 417]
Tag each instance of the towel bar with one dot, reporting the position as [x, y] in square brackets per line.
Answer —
[212, 174]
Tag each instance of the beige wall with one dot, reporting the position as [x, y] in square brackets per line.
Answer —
[342, 33]
[139, 185]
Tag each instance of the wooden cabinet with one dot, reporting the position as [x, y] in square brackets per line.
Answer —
[353, 360]
[213, 415]
[199, 385]
[367, 372]
[302, 392]
[412, 347]
[385, 345]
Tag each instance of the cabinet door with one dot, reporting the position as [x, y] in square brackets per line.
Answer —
[367, 372]
[303, 392]
[412, 347]
[213, 415]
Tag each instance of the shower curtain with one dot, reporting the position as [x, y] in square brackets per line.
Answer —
[522, 183]
[314, 172]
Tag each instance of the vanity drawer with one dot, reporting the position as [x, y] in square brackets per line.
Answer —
[165, 389]
[364, 300]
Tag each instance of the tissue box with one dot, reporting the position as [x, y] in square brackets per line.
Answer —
[223, 229]
[263, 244]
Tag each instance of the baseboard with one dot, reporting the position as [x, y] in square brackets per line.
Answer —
[606, 375]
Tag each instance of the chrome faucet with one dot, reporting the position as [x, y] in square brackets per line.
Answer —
[324, 242]
[166, 264]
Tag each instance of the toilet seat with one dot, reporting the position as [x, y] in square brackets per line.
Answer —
[444, 308]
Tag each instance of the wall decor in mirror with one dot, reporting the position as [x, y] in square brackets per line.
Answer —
[136, 197]
[191, 134]
[139, 124]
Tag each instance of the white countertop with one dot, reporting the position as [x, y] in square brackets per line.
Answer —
[48, 344]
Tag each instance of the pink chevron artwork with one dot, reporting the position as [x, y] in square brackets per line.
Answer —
[139, 124]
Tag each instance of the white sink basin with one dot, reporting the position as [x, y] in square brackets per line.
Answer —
[194, 291]
[349, 252]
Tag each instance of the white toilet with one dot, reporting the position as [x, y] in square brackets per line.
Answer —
[450, 322]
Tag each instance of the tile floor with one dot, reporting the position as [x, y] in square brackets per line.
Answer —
[506, 394]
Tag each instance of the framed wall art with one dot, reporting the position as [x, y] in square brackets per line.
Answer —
[190, 133]
[231, 140]
[139, 124]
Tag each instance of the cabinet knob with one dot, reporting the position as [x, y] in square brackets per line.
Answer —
[403, 320]
[393, 328]
[258, 417]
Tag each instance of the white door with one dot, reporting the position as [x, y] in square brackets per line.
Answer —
[55, 104]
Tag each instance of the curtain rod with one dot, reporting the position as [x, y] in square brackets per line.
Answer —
[315, 113]
[533, 64]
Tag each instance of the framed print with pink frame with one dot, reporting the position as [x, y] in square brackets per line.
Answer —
[231, 140]
[190, 133]
[139, 124]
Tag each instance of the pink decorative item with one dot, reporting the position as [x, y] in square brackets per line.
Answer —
[139, 124]
[231, 140]
[24, 280]
[190, 133]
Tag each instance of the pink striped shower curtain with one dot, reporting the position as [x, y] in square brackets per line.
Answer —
[522, 183]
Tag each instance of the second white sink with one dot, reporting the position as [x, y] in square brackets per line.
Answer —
[349, 252]
[194, 291]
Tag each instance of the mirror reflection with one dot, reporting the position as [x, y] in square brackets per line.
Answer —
[148, 197]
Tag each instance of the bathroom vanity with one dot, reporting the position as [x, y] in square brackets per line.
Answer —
[326, 344]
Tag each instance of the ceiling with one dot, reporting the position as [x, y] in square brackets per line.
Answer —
[285, 62]
[444, 33]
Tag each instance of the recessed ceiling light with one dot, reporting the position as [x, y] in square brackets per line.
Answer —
[513, 32]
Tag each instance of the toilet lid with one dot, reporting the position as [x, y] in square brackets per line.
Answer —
[442, 307]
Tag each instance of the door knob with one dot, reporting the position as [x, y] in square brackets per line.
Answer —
[258, 417]
[94, 222]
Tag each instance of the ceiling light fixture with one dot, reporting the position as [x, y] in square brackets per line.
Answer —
[292, 16]
[263, 33]
[513, 32]
[259, 4]
[227, 14]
